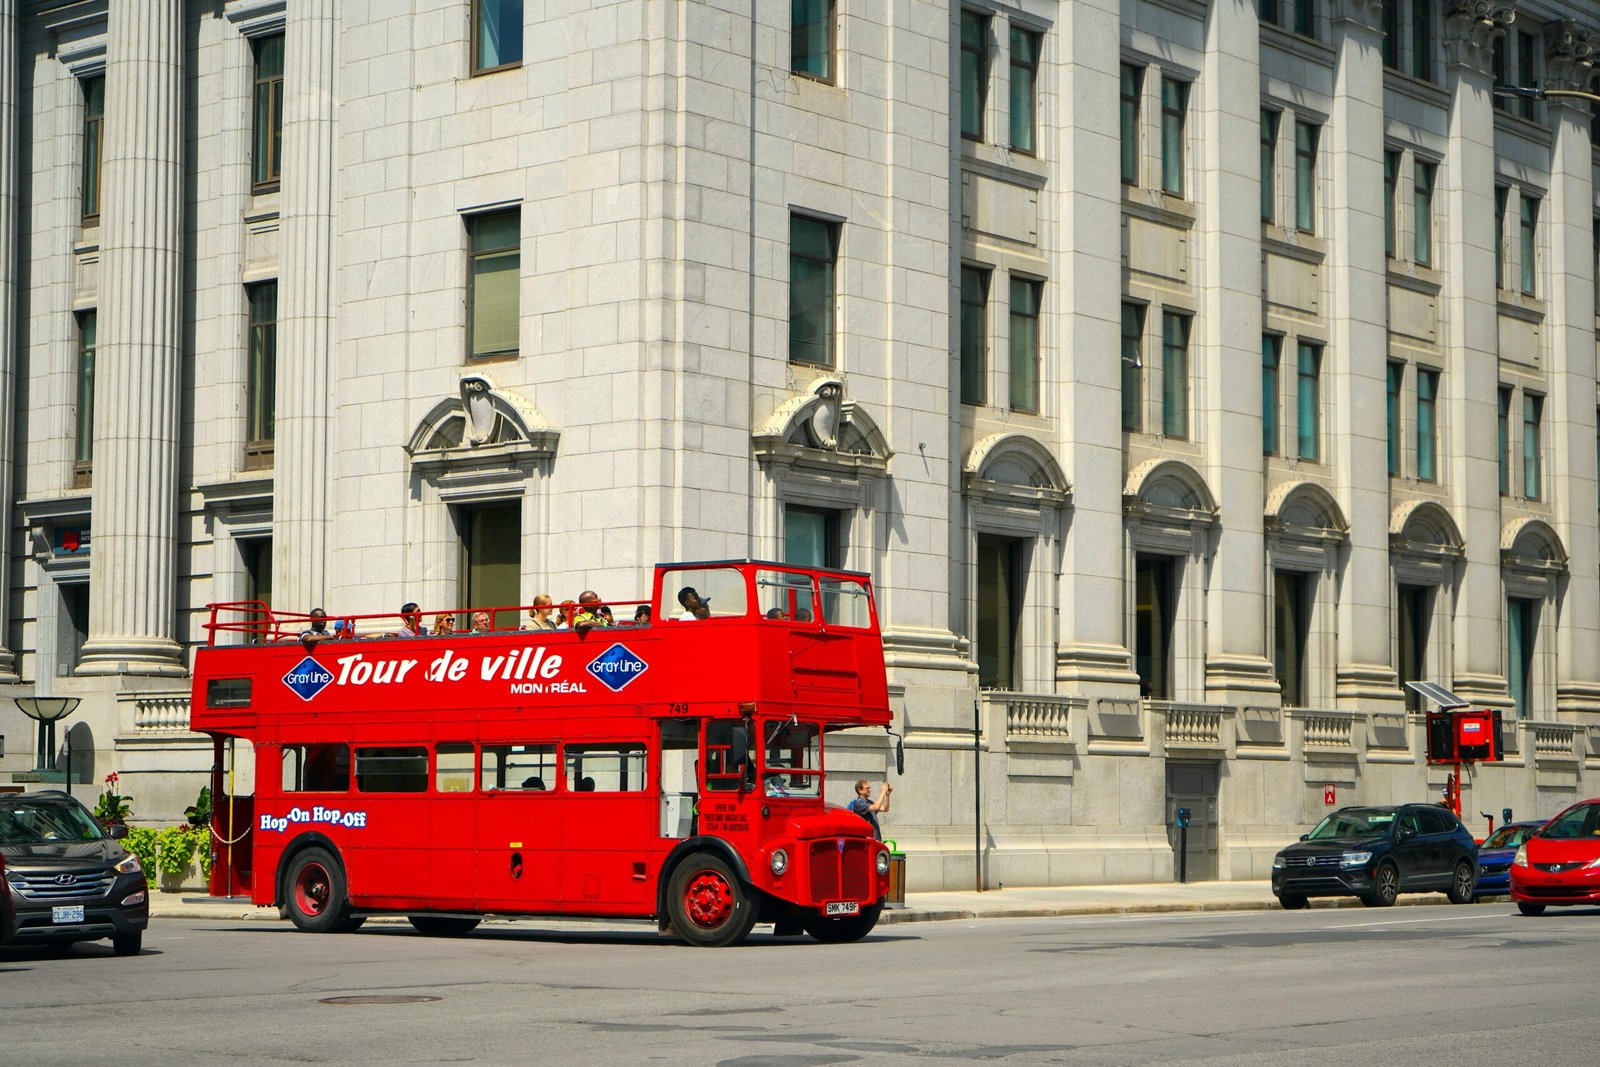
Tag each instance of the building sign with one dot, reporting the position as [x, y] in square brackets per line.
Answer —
[69, 541]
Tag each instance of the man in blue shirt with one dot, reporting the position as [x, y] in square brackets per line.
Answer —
[864, 806]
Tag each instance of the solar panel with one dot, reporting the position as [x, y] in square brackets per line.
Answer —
[1437, 693]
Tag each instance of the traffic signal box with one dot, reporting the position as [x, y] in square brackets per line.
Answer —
[1465, 737]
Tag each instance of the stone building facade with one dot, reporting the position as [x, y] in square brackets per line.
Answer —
[1188, 375]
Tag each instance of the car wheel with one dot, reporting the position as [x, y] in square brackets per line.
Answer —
[1385, 887]
[1530, 909]
[1461, 883]
[442, 925]
[315, 894]
[708, 904]
[128, 944]
[1292, 901]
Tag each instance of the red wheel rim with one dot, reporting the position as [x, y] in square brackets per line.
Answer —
[708, 900]
[311, 889]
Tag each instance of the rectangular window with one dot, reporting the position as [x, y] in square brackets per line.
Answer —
[1391, 34]
[1522, 636]
[1304, 23]
[1532, 466]
[1422, 213]
[1025, 344]
[606, 768]
[496, 35]
[811, 38]
[974, 335]
[1427, 425]
[1528, 243]
[1397, 373]
[1132, 88]
[813, 252]
[1305, 176]
[491, 560]
[525, 767]
[453, 764]
[75, 626]
[1503, 441]
[1024, 89]
[1415, 606]
[1501, 196]
[393, 769]
[1174, 374]
[1271, 353]
[811, 538]
[316, 768]
[1308, 408]
[974, 73]
[1269, 165]
[267, 144]
[494, 284]
[1132, 367]
[1155, 592]
[1527, 72]
[94, 132]
[999, 611]
[1174, 112]
[261, 379]
[83, 448]
[1422, 39]
[1391, 184]
[1291, 632]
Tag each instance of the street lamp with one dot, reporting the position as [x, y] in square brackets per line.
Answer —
[47, 711]
[1534, 92]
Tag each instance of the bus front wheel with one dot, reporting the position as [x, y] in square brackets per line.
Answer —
[839, 929]
[316, 895]
[708, 904]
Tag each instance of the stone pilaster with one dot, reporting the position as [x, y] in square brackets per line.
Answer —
[302, 484]
[139, 358]
[8, 304]
[1227, 355]
[1359, 345]
[1469, 300]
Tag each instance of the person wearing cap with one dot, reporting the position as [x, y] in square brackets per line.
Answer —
[591, 612]
[693, 606]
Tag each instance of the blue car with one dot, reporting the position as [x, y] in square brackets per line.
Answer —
[1495, 855]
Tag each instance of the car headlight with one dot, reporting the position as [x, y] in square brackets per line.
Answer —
[1277, 863]
[130, 865]
[780, 861]
[1354, 859]
[883, 863]
[1521, 858]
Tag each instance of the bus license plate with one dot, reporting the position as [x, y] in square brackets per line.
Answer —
[70, 914]
[837, 907]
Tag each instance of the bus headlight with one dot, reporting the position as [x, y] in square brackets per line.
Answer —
[883, 863]
[780, 861]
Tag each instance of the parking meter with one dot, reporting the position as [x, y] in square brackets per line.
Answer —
[1505, 816]
[1182, 818]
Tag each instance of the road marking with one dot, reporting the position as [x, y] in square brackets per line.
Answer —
[1402, 922]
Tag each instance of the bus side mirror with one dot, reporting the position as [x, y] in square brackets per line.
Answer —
[899, 756]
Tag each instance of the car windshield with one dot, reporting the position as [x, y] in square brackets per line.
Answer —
[36, 822]
[1575, 822]
[1509, 836]
[1356, 822]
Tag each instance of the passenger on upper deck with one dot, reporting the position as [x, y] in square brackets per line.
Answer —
[641, 615]
[481, 623]
[693, 606]
[444, 625]
[539, 617]
[590, 613]
[411, 622]
[318, 631]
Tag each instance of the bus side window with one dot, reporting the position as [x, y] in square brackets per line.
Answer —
[728, 754]
[525, 768]
[316, 768]
[618, 767]
[680, 748]
[453, 766]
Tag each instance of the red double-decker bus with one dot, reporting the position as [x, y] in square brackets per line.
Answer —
[668, 769]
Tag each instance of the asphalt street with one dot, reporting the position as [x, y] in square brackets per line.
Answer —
[1419, 985]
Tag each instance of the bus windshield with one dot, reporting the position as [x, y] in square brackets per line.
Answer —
[793, 759]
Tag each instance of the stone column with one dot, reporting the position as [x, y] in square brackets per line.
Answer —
[1570, 412]
[1359, 345]
[140, 355]
[1094, 655]
[301, 480]
[1226, 351]
[1471, 331]
[8, 303]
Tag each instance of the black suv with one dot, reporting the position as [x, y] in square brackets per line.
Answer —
[1378, 853]
[67, 881]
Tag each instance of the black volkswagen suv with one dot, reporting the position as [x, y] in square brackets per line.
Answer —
[1378, 853]
[65, 880]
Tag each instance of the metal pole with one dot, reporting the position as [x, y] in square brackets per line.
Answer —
[977, 799]
[1183, 853]
[69, 761]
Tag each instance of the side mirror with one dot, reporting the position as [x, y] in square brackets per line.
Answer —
[899, 756]
[118, 831]
[1305, 837]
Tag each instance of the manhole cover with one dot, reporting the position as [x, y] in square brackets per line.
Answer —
[378, 1000]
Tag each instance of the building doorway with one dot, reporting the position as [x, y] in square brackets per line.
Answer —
[1194, 786]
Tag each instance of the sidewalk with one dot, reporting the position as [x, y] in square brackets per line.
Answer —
[928, 907]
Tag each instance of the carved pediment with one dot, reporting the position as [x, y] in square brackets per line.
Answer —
[482, 421]
[822, 429]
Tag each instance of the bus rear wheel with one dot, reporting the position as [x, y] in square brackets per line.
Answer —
[316, 895]
[708, 904]
[839, 929]
[442, 925]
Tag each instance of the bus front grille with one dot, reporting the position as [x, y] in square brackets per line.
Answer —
[840, 869]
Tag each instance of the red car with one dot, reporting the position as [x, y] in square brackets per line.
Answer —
[1560, 864]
